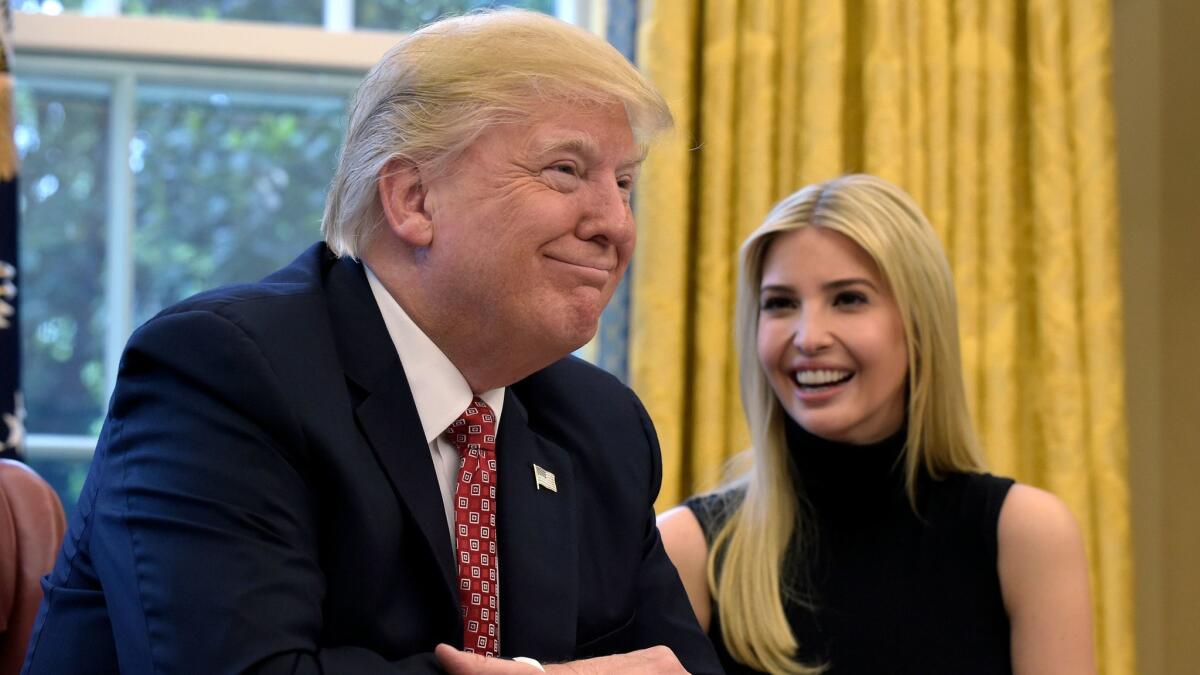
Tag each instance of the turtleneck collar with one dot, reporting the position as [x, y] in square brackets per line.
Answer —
[843, 478]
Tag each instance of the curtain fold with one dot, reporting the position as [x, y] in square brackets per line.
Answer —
[997, 117]
[12, 409]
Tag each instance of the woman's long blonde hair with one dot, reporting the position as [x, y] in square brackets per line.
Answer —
[749, 549]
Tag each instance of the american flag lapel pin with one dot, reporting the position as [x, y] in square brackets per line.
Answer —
[543, 479]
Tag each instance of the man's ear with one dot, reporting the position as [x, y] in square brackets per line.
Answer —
[403, 198]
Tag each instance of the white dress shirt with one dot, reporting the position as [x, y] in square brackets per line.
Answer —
[439, 390]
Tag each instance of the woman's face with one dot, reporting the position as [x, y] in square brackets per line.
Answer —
[830, 337]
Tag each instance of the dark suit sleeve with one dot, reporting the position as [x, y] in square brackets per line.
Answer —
[204, 529]
[664, 615]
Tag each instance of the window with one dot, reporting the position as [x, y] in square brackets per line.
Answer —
[386, 15]
[167, 150]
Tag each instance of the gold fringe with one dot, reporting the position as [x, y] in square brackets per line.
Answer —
[9, 161]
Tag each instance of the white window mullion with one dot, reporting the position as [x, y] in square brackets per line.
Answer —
[60, 447]
[339, 15]
[118, 287]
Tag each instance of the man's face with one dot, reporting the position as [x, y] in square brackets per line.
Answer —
[532, 229]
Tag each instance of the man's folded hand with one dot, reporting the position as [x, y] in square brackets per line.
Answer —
[652, 661]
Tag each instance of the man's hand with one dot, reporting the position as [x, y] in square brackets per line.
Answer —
[652, 661]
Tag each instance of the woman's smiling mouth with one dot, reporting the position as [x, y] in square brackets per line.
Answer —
[822, 378]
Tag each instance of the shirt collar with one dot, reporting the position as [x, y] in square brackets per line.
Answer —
[439, 390]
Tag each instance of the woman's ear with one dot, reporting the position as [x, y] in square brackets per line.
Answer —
[402, 195]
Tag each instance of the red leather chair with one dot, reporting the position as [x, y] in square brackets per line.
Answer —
[31, 530]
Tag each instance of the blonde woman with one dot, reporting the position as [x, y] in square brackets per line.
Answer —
[864, 536]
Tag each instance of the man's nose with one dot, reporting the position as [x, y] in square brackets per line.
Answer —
[607, 214]
[812, 334]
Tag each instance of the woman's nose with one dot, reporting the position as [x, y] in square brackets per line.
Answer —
[812, 333]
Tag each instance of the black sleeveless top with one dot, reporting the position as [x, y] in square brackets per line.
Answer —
[888, 590]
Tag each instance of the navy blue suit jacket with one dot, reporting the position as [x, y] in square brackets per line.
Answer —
[262, 499]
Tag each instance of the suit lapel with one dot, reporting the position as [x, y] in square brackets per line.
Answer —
[389, 419]
[537, 541]
[385, 410]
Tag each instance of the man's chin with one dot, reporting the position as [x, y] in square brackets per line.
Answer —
[563, 325]
[579, 338]
[576, 331]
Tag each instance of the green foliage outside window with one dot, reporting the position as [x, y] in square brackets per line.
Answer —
[406, 15]
[63, 137]
[48, 5]
[226, 191]
[281, 11]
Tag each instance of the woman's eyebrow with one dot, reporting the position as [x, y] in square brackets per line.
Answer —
[838, 284]
[776, 288]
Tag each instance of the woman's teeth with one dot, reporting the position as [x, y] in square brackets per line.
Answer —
[821, 378]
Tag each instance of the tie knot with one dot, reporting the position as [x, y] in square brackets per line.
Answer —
[474, 432]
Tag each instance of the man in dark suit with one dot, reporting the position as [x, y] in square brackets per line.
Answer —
[384, 448]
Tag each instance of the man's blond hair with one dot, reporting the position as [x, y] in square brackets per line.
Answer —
[434, 92]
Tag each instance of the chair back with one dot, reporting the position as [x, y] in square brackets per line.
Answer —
[32, 525]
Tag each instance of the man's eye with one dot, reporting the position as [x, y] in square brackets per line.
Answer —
[568, 169]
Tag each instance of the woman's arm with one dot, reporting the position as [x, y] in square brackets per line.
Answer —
[685, 544]
[1044, 581]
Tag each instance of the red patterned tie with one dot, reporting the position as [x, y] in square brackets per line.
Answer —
[474, 433]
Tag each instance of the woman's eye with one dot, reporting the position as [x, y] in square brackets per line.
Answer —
[776, 303]
[850, 298]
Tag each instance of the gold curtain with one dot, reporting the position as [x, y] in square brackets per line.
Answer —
[996, 116]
